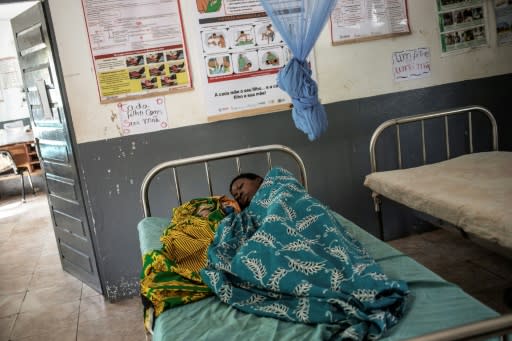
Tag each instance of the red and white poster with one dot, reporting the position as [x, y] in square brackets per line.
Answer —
[138, 47]
[242, 54]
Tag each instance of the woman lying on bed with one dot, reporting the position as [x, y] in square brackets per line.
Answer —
[243, 187]
[286, 256]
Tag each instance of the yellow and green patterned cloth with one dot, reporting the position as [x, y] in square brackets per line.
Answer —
[170, 276]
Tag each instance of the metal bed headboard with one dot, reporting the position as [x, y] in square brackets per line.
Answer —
[396, 122]
[212, 157]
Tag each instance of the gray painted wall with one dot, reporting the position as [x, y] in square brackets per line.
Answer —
[112, 170]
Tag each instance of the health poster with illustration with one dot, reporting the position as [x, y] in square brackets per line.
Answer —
[462, 24]
[138, 48]
[242, 53]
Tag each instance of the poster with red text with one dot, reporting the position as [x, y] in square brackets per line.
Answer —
[138, 48]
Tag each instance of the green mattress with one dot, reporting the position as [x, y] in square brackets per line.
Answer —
[436, 303]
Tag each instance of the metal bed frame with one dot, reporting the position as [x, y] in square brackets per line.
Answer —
[500, 326]
[205, 159]
[397, 122]
[483, 330]
[475, 331]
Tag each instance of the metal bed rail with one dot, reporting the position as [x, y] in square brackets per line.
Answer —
[397, 122]
[205, 159]
[483, 330]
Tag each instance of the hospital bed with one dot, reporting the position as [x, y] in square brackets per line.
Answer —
[436, 303]
[469, 189]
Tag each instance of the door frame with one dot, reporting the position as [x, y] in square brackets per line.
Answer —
[69, 126]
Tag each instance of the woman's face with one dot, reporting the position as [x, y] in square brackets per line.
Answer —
[244, 189]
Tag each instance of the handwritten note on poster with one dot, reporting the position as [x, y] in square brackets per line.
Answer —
[142, 116]
[411, 64]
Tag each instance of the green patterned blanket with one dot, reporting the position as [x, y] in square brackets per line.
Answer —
[286, 256]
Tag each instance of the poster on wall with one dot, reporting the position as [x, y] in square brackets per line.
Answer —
[242, 54]
[10, 79]
[10, 76]
[142, 115]
[355, 21]
[503, 12]
[462, 24]
[138, 48]
[411, 64]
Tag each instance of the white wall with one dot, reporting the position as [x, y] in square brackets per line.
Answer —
[12, 107]
[7, 48]
[344, 72]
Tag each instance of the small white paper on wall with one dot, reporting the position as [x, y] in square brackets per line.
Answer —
[411, 64]
[142, 116]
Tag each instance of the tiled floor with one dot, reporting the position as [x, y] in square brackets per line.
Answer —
[39, 301]
[481, 273]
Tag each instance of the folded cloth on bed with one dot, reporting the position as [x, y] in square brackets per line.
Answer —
[170, 276]
[286, 256]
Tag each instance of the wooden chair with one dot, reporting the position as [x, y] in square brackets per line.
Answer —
[8, 168]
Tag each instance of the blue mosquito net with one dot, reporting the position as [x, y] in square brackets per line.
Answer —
[300, 22]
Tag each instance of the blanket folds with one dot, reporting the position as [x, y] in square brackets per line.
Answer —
[170, 276]
[286, 256]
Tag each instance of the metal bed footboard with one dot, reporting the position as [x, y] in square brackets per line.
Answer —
[205, 159]
[397, 122]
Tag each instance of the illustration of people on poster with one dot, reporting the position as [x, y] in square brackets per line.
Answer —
[503, 12]
[463, 24]
[242, 55]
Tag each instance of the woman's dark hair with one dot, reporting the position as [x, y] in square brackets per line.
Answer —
[250, 176]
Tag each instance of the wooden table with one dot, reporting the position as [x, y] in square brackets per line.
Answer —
[22, 148]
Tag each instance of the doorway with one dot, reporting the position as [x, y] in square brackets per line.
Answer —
[54, 140]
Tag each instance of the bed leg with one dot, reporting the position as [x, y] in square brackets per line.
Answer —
[507, 297]
[377, 202]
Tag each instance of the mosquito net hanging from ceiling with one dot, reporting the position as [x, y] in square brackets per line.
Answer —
[300, 22]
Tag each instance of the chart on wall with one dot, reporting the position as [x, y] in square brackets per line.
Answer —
[241, 54]
[138, 48]
[354, 21]
[462, 23]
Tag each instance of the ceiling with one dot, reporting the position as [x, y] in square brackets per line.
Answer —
[8, 11]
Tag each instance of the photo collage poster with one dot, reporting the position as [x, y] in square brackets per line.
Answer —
[503, 12]
[242, 53]
[138, 48]
[462, 24]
